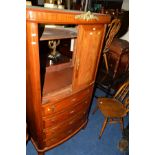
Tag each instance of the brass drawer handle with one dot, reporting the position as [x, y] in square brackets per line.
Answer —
[52, 109]
[74, 99]
[71, 112]
[69, 131]
[85, 102]
[54, 128]
[84, 112]
[71, 122]
[52, 119]
[53, 139]
[88, 90]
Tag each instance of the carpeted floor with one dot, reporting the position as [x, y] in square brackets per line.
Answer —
[86, 141]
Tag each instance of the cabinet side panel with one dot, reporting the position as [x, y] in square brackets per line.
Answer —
[33, 91]
[89, 45]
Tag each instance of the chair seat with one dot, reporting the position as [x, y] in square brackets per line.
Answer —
[111, 107]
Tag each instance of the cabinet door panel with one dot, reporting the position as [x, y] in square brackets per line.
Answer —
[89, 43]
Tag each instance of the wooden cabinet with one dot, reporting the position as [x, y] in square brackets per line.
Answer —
[58, 94]
[118, 57]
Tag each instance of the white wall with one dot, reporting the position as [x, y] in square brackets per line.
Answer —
[41, 2]
[125, 6]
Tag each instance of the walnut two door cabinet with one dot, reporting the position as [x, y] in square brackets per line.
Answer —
[62, 56]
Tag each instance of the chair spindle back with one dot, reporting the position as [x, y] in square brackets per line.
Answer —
[123, 91]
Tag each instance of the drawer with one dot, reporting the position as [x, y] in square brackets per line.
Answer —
[67, 133]
[56, 130]
[69, 113]
[57, 107]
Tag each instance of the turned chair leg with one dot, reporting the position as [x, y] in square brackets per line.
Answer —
[122, 124]
[95, 109]
[103, 127]
[40, 153]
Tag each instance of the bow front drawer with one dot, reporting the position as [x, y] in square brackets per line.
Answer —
[62, 117]
[51, 108]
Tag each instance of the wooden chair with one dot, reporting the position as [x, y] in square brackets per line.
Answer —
[115, 108]
[113, 66]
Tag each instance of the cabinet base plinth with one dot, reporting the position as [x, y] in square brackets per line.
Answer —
[41, 151]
